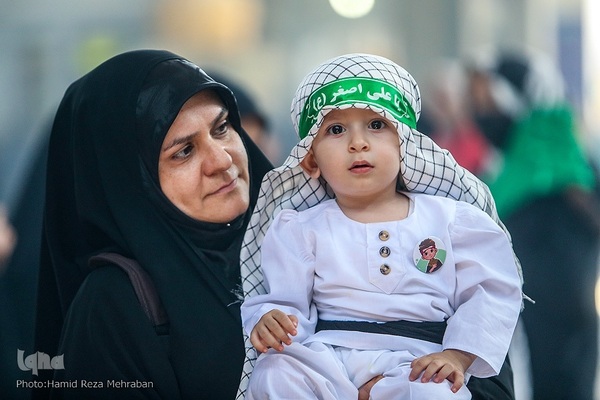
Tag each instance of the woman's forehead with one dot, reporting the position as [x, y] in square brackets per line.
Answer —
[203, 97]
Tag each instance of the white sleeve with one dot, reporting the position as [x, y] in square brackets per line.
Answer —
[488, 293]
[288, 269]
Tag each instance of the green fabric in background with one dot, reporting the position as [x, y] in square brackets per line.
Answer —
[543, 156]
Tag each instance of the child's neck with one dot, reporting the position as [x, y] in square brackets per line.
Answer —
[376, 209]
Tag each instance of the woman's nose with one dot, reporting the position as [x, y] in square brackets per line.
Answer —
[216, 158]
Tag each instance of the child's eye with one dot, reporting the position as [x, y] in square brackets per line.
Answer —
[335, 129]
[377, 124]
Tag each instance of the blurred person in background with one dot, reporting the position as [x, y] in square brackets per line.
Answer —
[8, 239]
[19, 276]
[254, 121]
[446, 119]
[546, 193]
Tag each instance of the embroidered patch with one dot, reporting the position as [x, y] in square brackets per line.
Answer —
[430, 254]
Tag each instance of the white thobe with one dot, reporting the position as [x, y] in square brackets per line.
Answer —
[318, 263]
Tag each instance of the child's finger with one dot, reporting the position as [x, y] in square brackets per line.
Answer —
[294, 320]
[257, 342]
[456, 386]
[429, 373]
[418, 365]
[273, 335]
[277, 330]
[458, 380]
[287, 324]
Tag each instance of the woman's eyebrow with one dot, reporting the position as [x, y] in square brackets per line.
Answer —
[189, 137]
[220, 116]
[179, 140]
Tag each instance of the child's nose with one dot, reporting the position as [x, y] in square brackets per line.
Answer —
[358, 141]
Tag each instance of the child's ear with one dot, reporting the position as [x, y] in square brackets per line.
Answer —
[309, 165]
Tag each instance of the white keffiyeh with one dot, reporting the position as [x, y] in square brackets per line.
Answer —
[343, 82]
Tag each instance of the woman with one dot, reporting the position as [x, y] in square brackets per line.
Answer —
[147, 159]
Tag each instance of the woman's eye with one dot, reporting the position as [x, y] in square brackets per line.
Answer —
[377, 124]
[335, 129]
[183, 153]
[222, 128]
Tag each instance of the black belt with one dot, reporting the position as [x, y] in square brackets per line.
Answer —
[429, 331]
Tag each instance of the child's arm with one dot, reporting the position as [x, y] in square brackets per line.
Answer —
[288, 280]
[449, 364]
[272, 331]
[488, 295]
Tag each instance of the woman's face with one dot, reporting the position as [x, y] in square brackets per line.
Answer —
[203, 164]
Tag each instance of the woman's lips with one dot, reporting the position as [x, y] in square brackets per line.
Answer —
[227, 188]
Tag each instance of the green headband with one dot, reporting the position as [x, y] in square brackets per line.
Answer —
[356, 90]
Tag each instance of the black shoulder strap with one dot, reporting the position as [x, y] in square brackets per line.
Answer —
[143, 286]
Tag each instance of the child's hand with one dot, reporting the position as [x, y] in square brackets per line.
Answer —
[450, 364]
[272, 330]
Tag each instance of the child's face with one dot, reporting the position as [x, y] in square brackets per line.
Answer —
[358, 153]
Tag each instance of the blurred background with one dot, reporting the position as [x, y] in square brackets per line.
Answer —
[268, 46]
[264, 46]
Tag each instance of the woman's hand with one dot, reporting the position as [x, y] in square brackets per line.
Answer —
[272, 330]
[449, 364]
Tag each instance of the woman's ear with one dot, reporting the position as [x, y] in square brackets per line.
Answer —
[309, 165]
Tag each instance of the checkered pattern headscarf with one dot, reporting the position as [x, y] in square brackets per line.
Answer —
[361, 81]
